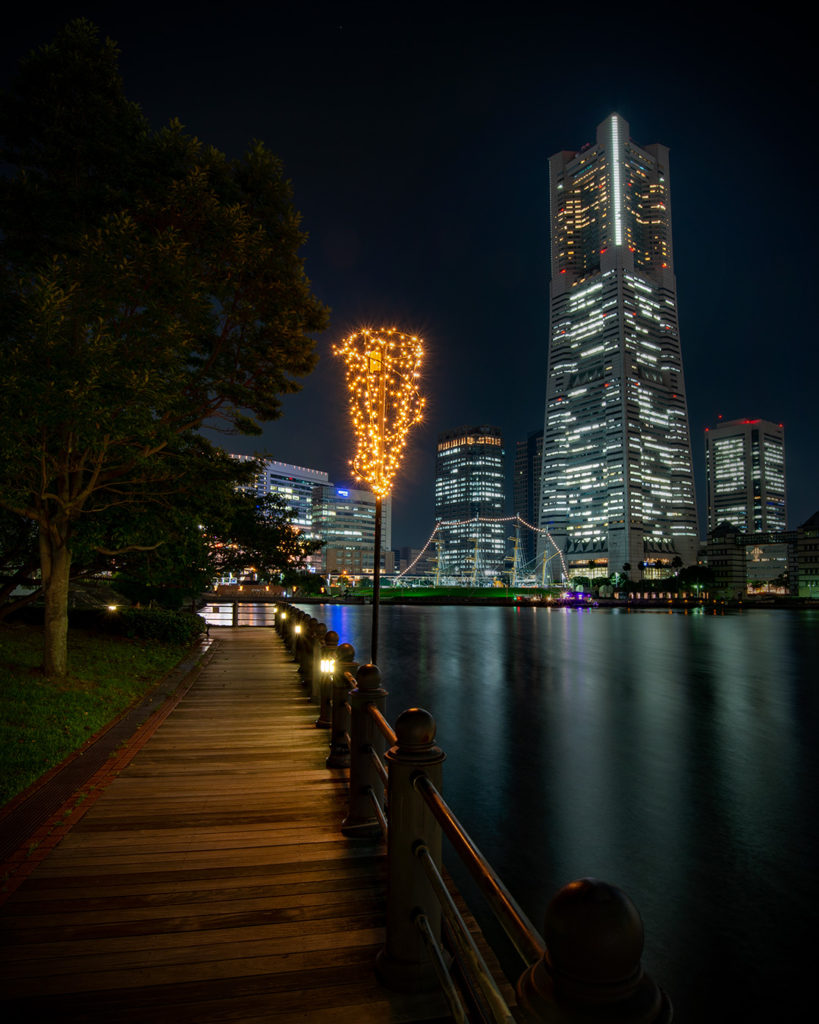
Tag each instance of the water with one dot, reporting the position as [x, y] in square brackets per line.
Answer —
[671, 754]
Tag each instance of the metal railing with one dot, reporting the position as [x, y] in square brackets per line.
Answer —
[588, 966]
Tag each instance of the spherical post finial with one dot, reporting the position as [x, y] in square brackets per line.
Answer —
[593, 932]
[591, 968]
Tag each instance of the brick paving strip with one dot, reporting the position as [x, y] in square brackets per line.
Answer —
[34, 822]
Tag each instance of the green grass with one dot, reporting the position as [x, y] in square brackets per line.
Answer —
[42, 721]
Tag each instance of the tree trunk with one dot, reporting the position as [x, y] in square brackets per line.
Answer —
[55, 565]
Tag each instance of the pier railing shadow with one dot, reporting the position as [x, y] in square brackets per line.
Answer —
[586, 967]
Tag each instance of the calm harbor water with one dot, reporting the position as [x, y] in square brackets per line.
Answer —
[672, 754]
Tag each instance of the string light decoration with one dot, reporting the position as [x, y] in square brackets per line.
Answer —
[382, 372]
[517, 519]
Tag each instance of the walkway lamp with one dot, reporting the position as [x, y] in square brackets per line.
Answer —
[382, 373]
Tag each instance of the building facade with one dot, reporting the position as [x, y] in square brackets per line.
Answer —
[617, 483]
[469, 501]
[294, 486]
[745, 475]
[344, 519]
[526, 490]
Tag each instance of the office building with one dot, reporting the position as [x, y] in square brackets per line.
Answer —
[469, 499]
[745, 475]
[526, 491]
[294, 486]
[617, 480]
[344, 519]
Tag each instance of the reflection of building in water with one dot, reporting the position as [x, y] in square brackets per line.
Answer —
[469, 489]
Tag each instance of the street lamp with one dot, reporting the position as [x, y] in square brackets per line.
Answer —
[382, 372]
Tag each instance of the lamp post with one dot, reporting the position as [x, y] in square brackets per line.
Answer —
[382, 371]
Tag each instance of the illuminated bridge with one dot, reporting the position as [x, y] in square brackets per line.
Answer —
[520, 571]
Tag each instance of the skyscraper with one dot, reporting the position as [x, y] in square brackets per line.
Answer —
[469, 499]
[344, 519]
[294, 486]
[745, 475]
[526, 489]
[617, 484]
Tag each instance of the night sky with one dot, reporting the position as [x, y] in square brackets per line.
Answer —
[417, 143]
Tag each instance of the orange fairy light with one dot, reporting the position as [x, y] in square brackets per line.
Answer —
[382, 373]
[382, 370]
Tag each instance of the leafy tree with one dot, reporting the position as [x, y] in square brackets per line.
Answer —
[147, 283]
[261, 537]
[700, 575]
[305, 582]
[18, 559]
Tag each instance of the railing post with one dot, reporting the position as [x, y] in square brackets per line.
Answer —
[339, 756]
[304, 648]
[313, 669]
[295, 633]
[404, 963]
[235, 614]
[329, 656]
[591, 968]
[365, 739]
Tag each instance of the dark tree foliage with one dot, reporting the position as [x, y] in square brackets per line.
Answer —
[261, 539]
[148, 283]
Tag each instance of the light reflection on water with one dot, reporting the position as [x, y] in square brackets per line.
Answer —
[671, 754]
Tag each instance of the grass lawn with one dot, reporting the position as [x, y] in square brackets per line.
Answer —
[41, 721]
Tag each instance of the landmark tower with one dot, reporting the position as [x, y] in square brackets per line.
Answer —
[617, 482]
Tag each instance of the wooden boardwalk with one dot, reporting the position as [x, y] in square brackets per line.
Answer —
[210, 881]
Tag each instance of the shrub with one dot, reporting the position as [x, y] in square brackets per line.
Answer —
[166, 627]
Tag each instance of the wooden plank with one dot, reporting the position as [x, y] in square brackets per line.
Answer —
[210, 880]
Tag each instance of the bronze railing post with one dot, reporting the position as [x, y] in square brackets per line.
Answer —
[404, 963]
[339, 756]
[591, 968]
[318, 632]
[366, 739]
[329, 655]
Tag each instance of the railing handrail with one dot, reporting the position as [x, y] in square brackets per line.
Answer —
[522, 933]
[593, 930]
[382, 724]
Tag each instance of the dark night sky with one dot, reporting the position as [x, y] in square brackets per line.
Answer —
[417, 140]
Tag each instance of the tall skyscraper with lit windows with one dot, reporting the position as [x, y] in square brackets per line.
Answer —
[469, 501]
[745, 475]
[617, 481]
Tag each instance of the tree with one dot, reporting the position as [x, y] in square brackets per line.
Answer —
[18, 559]
[147, 283]
[261, 537]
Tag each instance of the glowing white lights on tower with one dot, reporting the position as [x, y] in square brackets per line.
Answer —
[617, 208]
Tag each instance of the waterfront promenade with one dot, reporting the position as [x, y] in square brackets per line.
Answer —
[208, 880]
